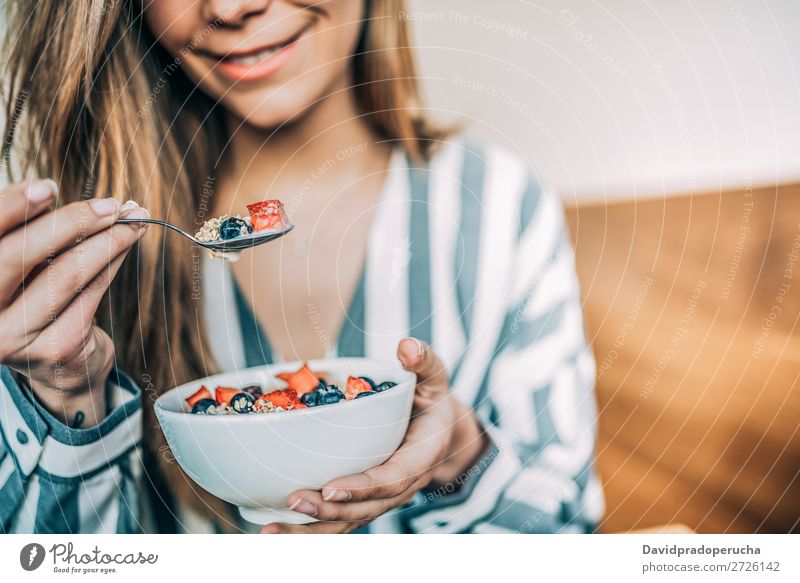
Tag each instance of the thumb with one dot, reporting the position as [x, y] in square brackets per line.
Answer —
[433, 383]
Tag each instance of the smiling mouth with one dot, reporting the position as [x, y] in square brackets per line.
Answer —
[254, 57]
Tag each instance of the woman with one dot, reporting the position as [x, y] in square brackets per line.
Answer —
[191, 110]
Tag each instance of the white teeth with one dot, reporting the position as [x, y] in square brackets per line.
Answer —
[255, 58]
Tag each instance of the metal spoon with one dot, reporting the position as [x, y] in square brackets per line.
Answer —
[230, 245]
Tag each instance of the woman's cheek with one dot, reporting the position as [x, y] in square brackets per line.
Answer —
[172, 22]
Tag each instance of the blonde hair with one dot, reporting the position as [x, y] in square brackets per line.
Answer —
[80, 107]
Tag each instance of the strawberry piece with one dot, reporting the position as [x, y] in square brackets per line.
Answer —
[224, 394]
[267, 223]
[266, 207]
[267, 215]
[303, 380]
[356, 385]
[282, 398]
[201, 393]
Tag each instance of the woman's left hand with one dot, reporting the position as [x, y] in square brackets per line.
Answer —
[443, 440]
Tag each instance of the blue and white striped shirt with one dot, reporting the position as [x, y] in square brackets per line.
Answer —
[466, 252]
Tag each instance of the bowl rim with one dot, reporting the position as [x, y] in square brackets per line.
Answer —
[402, 386]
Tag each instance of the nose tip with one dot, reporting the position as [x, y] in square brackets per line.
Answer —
[233, 12]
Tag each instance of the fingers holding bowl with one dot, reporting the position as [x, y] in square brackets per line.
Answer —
[388, 480]
[362, 496]
[433, 383]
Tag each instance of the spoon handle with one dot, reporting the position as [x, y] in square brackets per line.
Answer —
[157, 222]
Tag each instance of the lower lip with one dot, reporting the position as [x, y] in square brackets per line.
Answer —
[263, 70]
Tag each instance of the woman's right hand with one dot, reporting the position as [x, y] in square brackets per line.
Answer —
[56, 267]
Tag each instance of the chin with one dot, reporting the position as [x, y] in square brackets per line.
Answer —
[262, 115]
[269, 109]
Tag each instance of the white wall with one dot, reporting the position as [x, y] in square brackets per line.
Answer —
[622, 98]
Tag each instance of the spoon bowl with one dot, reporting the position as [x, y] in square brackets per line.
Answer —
[227, 246]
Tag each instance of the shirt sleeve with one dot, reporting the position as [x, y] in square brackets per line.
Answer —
[536, 403]
[59, 479]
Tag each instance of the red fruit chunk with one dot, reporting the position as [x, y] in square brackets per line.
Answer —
[266, 207]
[303, 380]
[267, 223]
[224, 394]
[201, 393]
[355, 386]
[267, 215]
[282, 398]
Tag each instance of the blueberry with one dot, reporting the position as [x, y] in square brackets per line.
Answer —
[370, 382]
[242, 402]
[383, 386]
[310, 399]
[253, 390]
[231, 228]
[323, 389]
[202, 405]
[366, 394]
[331, 396]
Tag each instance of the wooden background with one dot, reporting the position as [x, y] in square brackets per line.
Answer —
[692, 307]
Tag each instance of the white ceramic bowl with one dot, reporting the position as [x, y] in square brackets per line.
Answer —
[256, 460]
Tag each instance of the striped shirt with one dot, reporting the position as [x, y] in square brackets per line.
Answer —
[467, 252]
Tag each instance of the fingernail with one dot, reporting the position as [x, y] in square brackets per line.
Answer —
[128, 204]
[420, 346]
[336, 495]
[103, 207]
[41, 190]
[304, 507]
[137, 213]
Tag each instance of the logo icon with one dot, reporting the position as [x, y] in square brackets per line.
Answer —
[31, 556]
